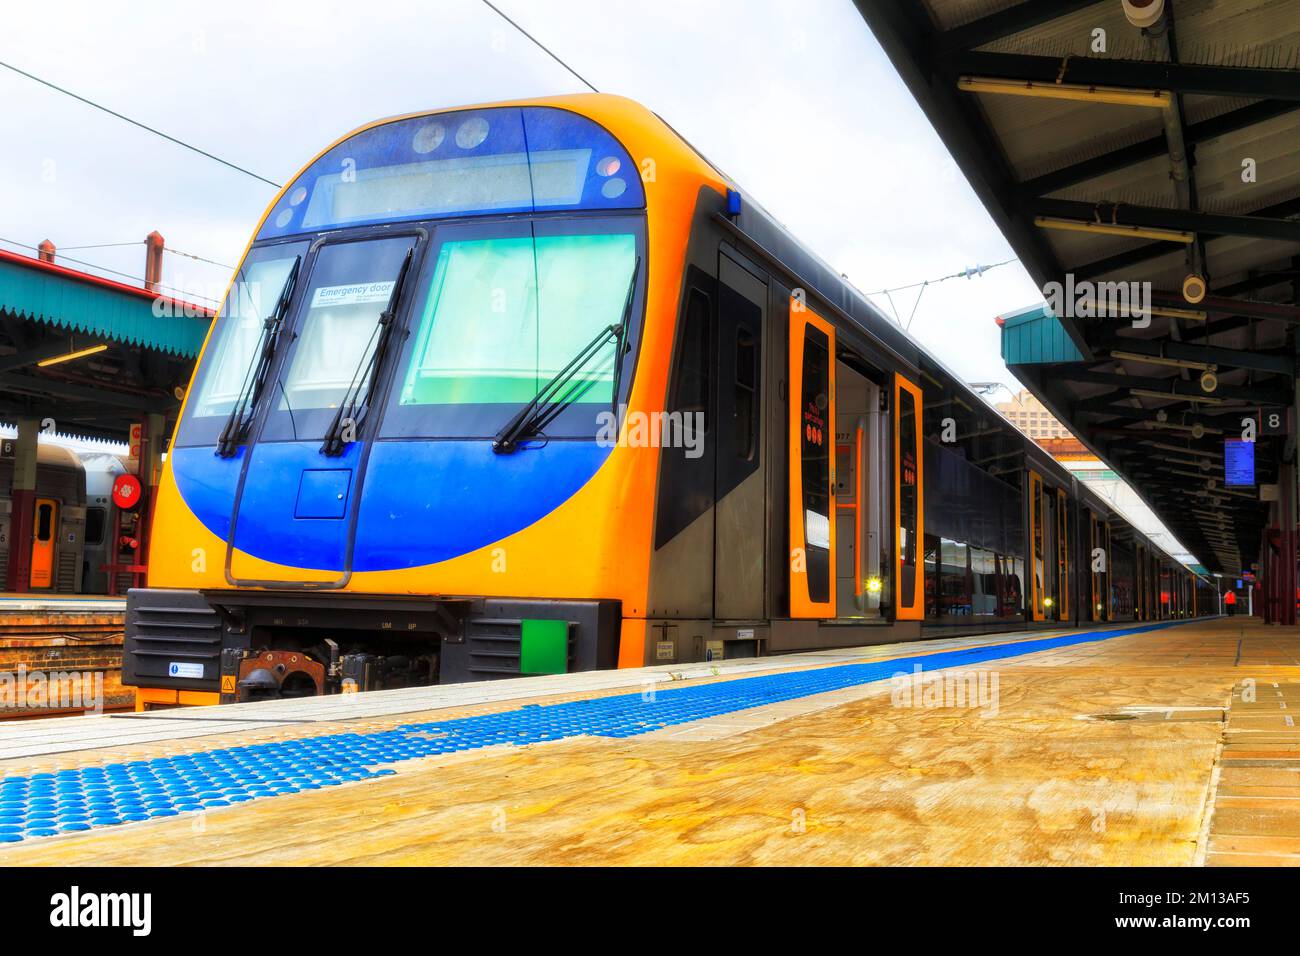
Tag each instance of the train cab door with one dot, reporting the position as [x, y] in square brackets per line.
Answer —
[740, 480]
[292, 490]
[44, 537]
[811, 475]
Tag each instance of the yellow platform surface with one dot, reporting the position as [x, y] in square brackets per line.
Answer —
[1173, 747]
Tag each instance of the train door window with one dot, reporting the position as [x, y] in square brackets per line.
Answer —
[907, 498]
[1016, 586]
[1036, 593]
[44, 522]
[931, 576]
[691, 391]
[44, 534]
[812, 442]
[95, 522]
[1063, 554]
[686, 486]
[984, 582]
[1111, 598]
[954, 579]
[745, 421]
[1092, 564]
[1051, 588]
[859, 585]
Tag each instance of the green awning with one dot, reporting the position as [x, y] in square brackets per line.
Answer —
[99, 308]
[1035, 336]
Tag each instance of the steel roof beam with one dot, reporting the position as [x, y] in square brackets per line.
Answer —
[1230, 306]
[1277, 362]
[1153, 250]
[1203, 80]
[1153, 148]
[1005, 23]
[1258, 280]
[1175, 386]
[39, 353]
[1184, 220]
[59, 389]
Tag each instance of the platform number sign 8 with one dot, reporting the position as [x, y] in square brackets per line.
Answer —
[1273, 421]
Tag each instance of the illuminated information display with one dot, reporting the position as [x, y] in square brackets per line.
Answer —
[1238, 462]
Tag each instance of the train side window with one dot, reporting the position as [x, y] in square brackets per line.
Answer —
[44, 522]
[692, 388]
[95, 521]
[743, 434]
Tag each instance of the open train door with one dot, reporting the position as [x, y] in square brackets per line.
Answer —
[909, 502]
[812, 457]
[44, 535]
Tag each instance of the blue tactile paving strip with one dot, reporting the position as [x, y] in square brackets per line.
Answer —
[68, 801]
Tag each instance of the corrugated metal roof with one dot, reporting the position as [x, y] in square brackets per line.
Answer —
[1035, 336]
[1048, 163]
[48, 293]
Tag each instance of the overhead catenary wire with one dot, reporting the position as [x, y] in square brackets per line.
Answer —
[190, 255]
[540, 45]
[968, 273]
[60, 250]
[137, 123]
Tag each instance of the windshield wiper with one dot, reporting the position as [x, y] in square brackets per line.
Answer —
[255, 378]
[533, 418]
[366, 374]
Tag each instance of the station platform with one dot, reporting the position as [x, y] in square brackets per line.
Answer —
[1158, 744]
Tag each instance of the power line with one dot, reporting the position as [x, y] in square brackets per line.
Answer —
[139, 242]
[102, 245]
[190, 255]
[965, 273]
[970, 272]
[542, 46]
[142, 126]
[125, 275]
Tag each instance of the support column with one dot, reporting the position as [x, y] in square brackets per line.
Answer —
[150, 476]
[18, 574]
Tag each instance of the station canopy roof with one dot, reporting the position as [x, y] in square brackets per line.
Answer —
[112, 352]
[1109, 153]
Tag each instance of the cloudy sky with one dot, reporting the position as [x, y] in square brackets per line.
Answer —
[794, 99]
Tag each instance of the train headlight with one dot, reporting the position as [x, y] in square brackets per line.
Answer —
[428, 138]
[472, 132]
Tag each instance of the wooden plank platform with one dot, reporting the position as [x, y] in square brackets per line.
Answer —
[1098, 753]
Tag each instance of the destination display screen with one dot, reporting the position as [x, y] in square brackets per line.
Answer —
[443, 186]
[1238, 462]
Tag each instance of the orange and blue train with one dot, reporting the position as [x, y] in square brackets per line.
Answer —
[534, 388]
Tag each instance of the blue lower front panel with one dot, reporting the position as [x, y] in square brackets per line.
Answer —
[46, 804]
[420, 502]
